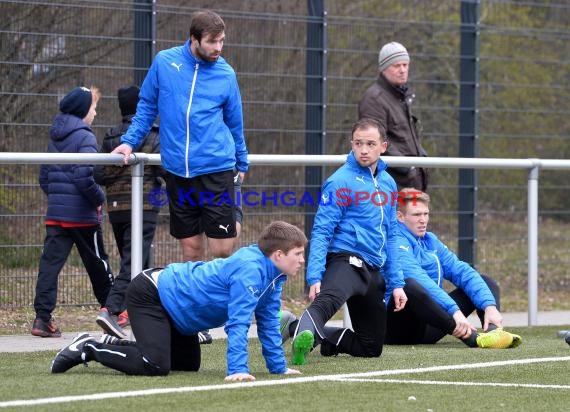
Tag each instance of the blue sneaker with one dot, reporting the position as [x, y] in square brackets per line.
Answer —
[302, 345]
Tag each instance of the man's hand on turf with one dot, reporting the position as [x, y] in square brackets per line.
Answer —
[239, 377]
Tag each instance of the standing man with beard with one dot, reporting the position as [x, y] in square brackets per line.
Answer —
[195, 93]
[389, 101]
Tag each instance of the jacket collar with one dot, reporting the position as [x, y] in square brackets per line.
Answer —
[401, 92]
[352, 163]
[193, 59]
[408, 233]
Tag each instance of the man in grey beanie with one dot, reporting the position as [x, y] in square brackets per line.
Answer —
[389, 101]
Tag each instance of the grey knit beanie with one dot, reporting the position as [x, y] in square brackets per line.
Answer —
[391, 53]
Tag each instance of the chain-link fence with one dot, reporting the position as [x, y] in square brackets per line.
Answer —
[47, 48]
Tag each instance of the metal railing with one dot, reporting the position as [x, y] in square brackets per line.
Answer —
[138, 160]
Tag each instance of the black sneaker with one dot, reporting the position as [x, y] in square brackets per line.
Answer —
[567, 338]
[70, 356]
[328, 349]
[109, 324]
[204, 337]
[45, 329]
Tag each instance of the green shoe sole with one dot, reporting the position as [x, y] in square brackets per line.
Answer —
[302, 345]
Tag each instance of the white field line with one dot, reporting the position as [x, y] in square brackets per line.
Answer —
[494, 384]
[284, 381]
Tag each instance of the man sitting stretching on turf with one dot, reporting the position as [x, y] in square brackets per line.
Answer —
[431, 313]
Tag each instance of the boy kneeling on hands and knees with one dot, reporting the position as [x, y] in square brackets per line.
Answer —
[169, 307]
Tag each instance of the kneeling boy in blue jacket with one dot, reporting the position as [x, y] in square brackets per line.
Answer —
[168, 307]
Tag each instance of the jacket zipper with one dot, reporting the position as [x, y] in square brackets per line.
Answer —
[272, 283]
[381, 218]
[188, 119]
[439, 281]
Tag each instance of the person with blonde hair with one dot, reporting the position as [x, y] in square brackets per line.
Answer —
[432, 312]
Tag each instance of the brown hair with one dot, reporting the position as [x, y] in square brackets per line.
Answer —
[366, 123]
[411, 195]
[279, 235]
[206, 21]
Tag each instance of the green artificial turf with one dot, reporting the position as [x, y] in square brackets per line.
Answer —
[396, 381]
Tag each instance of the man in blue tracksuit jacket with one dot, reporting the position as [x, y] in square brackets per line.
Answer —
[168, 307]
[431, 312]
[352, 253]
[195, 93]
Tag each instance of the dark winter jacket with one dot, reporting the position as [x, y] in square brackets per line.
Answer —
[118, 180]
[391, 106]
[73, 195]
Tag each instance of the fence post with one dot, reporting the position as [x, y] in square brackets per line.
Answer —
[137, 200]
[316, 102]
[145, 37]
[468, 129]
[532, 212]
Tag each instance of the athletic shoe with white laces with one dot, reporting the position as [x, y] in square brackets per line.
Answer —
[286, 318]
[70, 356]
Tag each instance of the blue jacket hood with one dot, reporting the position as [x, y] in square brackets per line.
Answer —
[204, 295]
[65, 124]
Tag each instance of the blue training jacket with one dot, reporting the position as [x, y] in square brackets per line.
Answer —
[346, 222]
[73, 195]
[204, 295]
[427, 260]
[201, 120]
